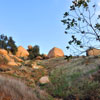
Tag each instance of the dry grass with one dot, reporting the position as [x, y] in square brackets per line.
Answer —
[11, 89]
[15, 90]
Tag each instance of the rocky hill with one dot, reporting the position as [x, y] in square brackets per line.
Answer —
[56, 78]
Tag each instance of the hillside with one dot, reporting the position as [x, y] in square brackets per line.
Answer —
[74, 79]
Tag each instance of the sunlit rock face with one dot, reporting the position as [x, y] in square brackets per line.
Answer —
[55, 52]
[3, 52]
[93, 52]
[22, 52]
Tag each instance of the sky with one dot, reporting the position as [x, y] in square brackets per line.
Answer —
[35, 22]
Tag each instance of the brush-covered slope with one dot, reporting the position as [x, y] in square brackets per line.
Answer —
[74, 79]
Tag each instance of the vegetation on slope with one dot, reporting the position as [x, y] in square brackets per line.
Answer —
[11, 89]
[74, 80]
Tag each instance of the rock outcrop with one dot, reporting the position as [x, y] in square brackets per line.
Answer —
[5, 55]
[12, 63]
[22, 52]
[55, 52]
[16, 58]
[8, 58]
[3, 52]
[11, 59]
[93, 52]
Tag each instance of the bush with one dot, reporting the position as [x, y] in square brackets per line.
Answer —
[34, 52]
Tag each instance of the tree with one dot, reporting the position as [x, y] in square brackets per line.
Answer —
[8, 43]
[3, 41]
[34, 52]
[11, 45]
[82, 26]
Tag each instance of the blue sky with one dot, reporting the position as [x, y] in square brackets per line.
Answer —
[32, 22]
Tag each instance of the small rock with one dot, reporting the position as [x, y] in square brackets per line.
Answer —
[35, 66]
[44, 80]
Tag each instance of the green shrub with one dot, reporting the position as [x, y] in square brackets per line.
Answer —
[72, 86]
[34, 52]
[8, 44]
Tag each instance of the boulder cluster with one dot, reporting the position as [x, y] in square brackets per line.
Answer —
[11, 59]
[15, 60]
[54, 52]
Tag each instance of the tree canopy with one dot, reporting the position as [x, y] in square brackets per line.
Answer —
[34, 52]
[82, 26]
[8, 44]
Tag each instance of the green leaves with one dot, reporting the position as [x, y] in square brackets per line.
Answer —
[79, 19]
[94, 6]
[64, 21]
[75, 41]
[80, 25]
[98, 16]
[34, 52]
[72, 7]
[66, 32]
[82, 32]
[97, 26]
[78, 42]
[85, 5]
[8, 43]
[66, 14]
[67, 47]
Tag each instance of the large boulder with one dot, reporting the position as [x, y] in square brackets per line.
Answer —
[55, 52]
[3, 52]
[22, 52]
[93, 52]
